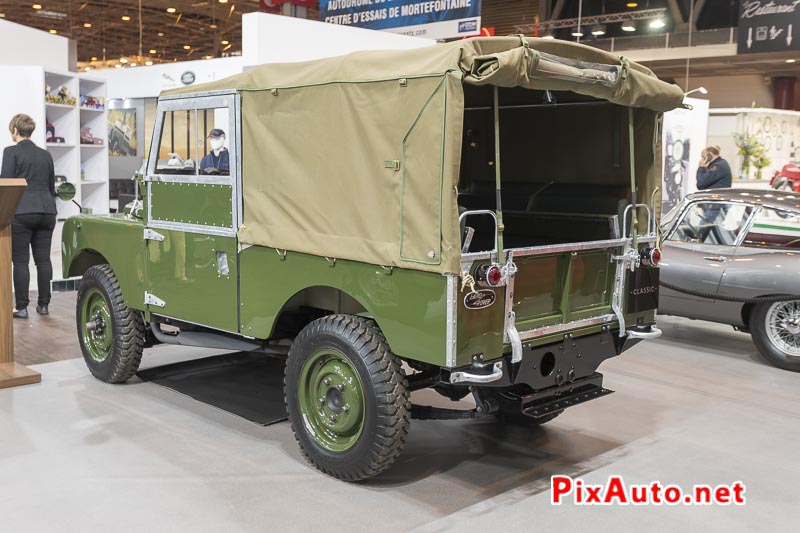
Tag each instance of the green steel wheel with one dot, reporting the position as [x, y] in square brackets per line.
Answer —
[111, 335]
[346, 397]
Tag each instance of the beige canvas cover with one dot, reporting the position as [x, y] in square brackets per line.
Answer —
[357, 157]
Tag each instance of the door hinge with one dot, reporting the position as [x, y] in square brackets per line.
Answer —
[150, 235]
[151, 299]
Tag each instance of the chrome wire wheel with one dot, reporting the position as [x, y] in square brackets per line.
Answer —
[783, 327]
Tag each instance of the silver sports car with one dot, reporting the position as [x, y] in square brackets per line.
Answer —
[733, 256]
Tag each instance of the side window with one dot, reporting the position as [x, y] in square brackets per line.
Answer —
[177, 153]
[213, 142]
[774, 229]
[712, 223]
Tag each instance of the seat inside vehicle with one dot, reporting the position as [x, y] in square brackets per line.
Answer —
[564, 166]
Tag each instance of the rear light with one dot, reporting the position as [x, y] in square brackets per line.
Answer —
[491, 275]
[650, 256]
[494, 276]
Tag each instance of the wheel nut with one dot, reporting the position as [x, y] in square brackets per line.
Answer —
[321, 401]
[327, 381]
[340, 386]
[333, 418]
[346, 408]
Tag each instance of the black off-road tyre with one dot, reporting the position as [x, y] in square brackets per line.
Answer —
[359, 343]
[124, 352]
[766, 343]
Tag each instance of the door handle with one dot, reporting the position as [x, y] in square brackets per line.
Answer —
[715, 258]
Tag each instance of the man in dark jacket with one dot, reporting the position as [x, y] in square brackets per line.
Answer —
[714, 172]
[35, 218]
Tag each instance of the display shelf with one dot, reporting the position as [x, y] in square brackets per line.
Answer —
[93, 145]
[92, 110]
[94, 182]
[59, 145]
[58, 106]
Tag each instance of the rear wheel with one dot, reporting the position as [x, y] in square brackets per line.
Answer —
[111, 335]
[775, 328]
[346, 397]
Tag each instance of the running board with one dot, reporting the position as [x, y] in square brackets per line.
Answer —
[204, 339]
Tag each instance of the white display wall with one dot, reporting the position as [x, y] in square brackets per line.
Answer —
[776, 129]
[683, 139]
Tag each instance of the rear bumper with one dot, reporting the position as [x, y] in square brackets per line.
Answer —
[553, 365]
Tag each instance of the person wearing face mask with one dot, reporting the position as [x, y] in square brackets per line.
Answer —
[35, 219]
[218, 159]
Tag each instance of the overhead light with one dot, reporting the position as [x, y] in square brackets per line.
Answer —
[161, 34]
[132, 65]
[791, 60]
[223, 1]
[224, 42]
[186, 47]
[87, 69]
[598, 30]
[171, 10]
[632, 4]
[2, 15]
[153, 51]
[117, 66]
[577, 33]
[94, 58]
[53, 31]
[123, 59]
[87, 24]
[207, 57]
[126, 18]
[213, 26]
[629, 26]
[548, 34]
[148, 63]
[657, 23]
[37, 6]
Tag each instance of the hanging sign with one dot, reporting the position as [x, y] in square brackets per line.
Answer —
[769, 26]
[433, 19]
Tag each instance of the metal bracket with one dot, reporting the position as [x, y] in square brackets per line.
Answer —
[654, 333]
[461, 377]
[514, 339]
[151, 299]
[151, 235]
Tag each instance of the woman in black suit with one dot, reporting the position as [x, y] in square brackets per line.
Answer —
[35, 218]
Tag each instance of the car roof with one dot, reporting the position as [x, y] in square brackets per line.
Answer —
[770, 197]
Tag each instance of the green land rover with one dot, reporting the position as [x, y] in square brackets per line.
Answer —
[477, 217]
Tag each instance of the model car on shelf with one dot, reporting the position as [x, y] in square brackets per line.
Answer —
[50, 130]
[734, 257]
[87, 137]
[787, 178]
[92, 102]
[352, 215]
[61, 97]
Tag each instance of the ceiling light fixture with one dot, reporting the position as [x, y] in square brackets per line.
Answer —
[171, 10]
[547, 34]
[186, 47]
[161, 34]
[87, 24]
[223, 1]
[153, 51]
[657, 24]
[37, 6]
[126, 18]
[207, 57]
[791, 60]
[577, 33]
[94, 58]
[53, 32]
[133, 64]
[2, 15]
[148, 63]
[224, 42]
[117, 66]
[213, 26]
[123, 60]
[598, 30]
[632, 4]
[87, 69]
[629, 26]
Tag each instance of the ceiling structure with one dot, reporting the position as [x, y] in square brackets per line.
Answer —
[109, 30]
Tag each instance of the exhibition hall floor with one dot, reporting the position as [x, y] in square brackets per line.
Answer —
[696, 406]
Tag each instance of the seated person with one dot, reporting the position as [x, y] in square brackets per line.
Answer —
[218, 159]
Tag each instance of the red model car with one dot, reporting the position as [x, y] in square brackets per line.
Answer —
[788, 178]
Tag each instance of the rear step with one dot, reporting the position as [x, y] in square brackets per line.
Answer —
[550, 400]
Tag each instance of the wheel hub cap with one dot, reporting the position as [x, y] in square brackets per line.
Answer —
[96, 317]
[331, 400]
[783, 327]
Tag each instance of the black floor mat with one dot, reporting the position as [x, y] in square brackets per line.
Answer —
[246, 384]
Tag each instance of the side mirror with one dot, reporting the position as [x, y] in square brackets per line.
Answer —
[66, 191]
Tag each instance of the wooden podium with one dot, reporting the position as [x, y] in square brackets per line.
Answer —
[11, 374]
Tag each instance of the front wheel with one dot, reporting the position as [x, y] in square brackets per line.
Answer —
[346, 397]
[775, 328]
[111, 334]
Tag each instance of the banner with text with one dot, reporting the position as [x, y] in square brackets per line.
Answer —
[432, 19]
[769, 26]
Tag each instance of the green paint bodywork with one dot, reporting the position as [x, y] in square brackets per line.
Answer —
[191, 203]
[408, 305]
